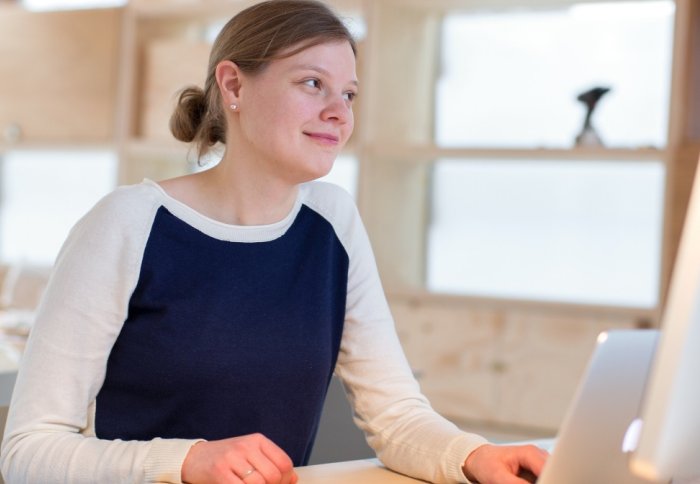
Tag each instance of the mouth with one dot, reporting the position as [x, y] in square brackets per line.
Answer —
[324, 138]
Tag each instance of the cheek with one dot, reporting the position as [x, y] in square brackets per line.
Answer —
[304, 110]
[288, 115]
[267, 107]
[263, 122]
[349, 126]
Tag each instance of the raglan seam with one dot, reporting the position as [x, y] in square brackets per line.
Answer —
[333, 217]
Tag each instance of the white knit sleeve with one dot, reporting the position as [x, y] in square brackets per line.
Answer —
[399, 423]
[49, 437]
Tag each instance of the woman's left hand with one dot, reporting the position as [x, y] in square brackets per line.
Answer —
[504, 464]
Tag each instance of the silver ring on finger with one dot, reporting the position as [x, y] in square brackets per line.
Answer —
[248, 473]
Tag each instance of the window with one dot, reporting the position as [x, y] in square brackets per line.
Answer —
[344, 173]
[510, 79]
[585, 232]
[579, 231]
[43, 194]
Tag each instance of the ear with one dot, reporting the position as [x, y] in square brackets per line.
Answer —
[228, 78]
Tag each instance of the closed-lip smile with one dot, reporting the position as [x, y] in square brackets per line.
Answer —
[323, 137]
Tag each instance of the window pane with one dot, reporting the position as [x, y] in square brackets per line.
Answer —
[582, 232]
[510, 79]
[344, 174]
[43, 195]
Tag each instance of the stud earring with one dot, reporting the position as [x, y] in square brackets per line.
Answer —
[234, 107]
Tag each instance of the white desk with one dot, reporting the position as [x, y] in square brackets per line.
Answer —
[369, 471]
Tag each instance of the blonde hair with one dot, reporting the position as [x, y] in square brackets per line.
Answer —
[257, 35]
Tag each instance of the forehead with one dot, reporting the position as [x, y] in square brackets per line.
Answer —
[336, 58]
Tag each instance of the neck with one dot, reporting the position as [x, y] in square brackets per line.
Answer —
[242, 195]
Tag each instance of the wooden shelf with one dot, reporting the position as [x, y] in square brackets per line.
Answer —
[143, 148]
[58, 88]
[430, 153]
[58, 145]
[408, 296]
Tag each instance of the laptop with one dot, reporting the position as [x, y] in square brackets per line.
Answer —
[600, 427]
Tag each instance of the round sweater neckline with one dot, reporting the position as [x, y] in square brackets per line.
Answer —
[222, 230]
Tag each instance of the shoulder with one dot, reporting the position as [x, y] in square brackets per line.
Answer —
[337, 207]
[329, 200]
[114, 231]
[127, 209]
[125, 199]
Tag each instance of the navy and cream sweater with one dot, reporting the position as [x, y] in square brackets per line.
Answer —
[251, 330]
[161, 326]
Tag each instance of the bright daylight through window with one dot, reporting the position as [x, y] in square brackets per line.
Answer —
[583, 231]
[43, 194]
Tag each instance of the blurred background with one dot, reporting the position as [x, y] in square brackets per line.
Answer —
[508, 231]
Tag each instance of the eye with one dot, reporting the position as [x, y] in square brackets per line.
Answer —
[315, 83]
[350, 96]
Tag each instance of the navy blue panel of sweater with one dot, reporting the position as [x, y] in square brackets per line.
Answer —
[224, 339]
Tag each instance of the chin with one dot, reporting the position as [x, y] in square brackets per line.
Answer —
[308, 176]
[313, 177]
[320, 169]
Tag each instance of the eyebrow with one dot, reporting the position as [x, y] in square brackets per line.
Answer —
[320, 70]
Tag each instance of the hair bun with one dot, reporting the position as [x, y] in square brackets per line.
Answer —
[186, 120]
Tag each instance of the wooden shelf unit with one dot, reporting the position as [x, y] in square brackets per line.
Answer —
[493, 361]
[58, 89]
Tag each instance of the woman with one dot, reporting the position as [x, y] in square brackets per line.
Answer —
[191, 326]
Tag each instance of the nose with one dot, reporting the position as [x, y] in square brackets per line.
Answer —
[337, 110]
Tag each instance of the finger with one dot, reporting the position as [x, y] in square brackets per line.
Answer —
[266, 468]
[246, 472]
[527, 475]
[230, 478]
[289, 478]
[225, 474]
[532, 458]
[506, 478]
[254, 476]
[278, 457]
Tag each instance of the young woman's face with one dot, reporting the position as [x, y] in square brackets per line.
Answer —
[297, 113]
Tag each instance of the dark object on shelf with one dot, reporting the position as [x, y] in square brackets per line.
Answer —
[588, 135]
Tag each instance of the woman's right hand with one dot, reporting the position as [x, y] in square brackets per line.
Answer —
[250, 459]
